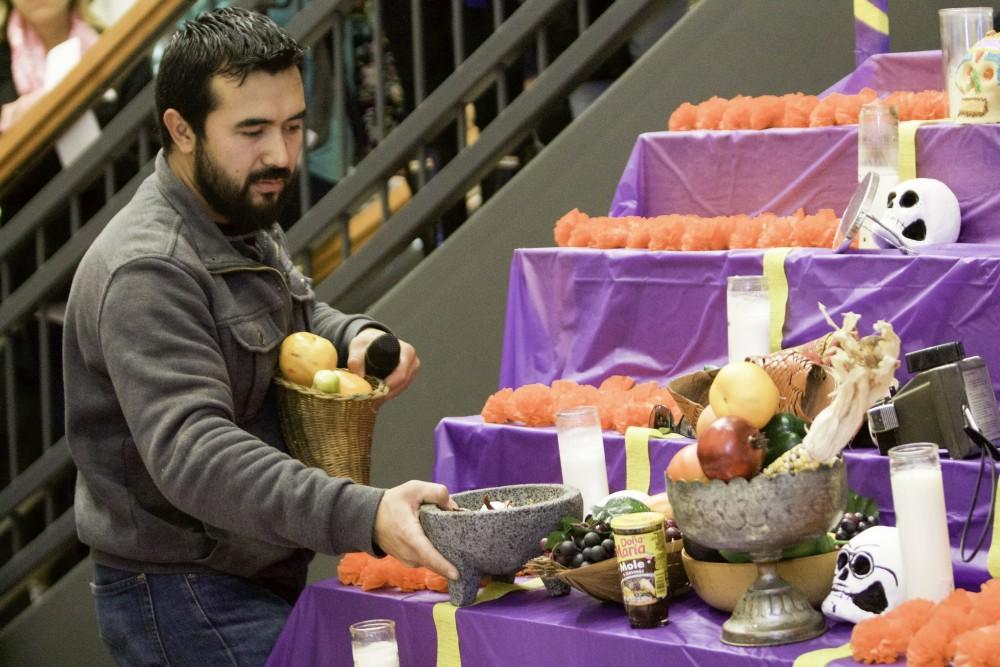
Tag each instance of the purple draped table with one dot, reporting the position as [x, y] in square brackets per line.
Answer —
[525, 628]
[470, 454]
[713, 173]
[583, 314]
[576, 628]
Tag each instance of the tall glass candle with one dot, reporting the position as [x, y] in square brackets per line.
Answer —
[918, 500]
[878, 151]
[748, 317]
[581, 453]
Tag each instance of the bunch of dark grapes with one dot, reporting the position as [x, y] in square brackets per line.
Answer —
[671, 531]
[853, 523]
[592, 546]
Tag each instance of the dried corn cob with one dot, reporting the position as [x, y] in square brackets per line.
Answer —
[794, 460]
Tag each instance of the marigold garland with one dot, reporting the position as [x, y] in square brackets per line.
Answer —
[797, 110]
[620, 401]
[691, 232]
[368, 572]
[964, 630]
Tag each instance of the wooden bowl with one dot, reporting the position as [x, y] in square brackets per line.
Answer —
[721, 585]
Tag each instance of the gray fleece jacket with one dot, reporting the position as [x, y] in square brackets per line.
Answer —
[171, 340]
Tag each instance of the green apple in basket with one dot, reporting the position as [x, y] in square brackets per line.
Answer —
[339, 381]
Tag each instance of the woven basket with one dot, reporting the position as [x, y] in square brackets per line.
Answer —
[330, 431]
[804, 387]
[602, 580]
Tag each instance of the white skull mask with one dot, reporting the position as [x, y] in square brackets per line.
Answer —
[976, 78]
[923, 211]
[867, 581]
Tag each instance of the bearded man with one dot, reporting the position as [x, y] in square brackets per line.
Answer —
[200, 524]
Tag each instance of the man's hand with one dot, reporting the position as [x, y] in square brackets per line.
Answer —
[403, 374]
[397, 529]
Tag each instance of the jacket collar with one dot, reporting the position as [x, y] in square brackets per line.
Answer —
[215, 250]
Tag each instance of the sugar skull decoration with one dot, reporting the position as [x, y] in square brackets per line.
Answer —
[868, 580]
[922, 211]
[976, 78]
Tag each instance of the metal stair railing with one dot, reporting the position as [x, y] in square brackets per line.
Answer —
[609, 31]
[109, 59]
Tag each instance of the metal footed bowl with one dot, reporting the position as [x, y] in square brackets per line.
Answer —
[762, 517]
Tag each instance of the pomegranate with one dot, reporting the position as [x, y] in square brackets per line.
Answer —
[731, 447]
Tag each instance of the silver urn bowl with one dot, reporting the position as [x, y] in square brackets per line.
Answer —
[762, 517]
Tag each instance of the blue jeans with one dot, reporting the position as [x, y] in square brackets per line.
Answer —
[186, 619]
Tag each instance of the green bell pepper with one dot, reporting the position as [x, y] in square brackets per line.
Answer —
[783, 432]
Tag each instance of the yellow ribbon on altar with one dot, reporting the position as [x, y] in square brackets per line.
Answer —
[777, 292]
[823, 656]
[637, 473]
[449, 653]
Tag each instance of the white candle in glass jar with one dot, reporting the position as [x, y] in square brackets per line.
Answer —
[377, 654]
[581, 453]
[918, 501]
[748, 314]
[373, 643]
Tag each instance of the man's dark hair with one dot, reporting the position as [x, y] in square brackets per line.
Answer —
[230, 42]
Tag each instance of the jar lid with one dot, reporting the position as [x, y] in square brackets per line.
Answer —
[637, 521]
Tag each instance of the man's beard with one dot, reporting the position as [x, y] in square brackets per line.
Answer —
[236, 204]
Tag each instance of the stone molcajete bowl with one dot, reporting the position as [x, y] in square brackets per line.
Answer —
[762, 517]
[496, 542]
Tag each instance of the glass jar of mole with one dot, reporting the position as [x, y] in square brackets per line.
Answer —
[640, 548]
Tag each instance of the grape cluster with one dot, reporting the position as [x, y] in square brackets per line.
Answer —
[853, 523]
[592, 542]
[671, 531]
[583, 548]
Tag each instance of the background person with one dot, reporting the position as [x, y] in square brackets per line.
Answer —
[201, 526]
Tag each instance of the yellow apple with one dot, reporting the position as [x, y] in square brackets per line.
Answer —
[745, 390]
[302, 354]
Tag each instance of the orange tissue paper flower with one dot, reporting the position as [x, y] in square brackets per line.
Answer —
[566, 224]
[978, 648]
[498, 407]
[434, 581]
[709, 113]
[683, 117]
[533, 405]
[883, 639]
[350, 567]
[620, 382]
[934, 643]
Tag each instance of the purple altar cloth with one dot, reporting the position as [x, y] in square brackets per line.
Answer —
[889, 72]
[470, 454]
[780, 170]
[525, 628]
[584, 314]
